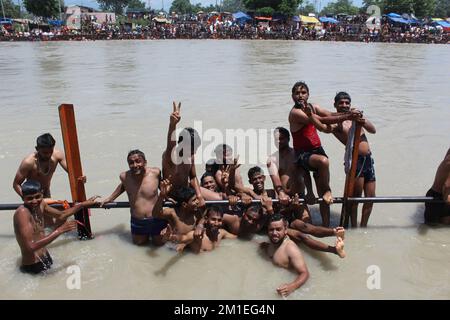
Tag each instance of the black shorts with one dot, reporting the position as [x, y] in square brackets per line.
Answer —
[302, 157]
[365, 168]
[38, 267]
[435, 211]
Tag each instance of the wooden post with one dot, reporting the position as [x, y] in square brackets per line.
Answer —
[72, 151]
[350, 179]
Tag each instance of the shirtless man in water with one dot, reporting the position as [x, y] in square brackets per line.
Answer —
[440, 212]
[178, 160]
[365, 171]
[141, 184]
[29, 226]
[210, 238]
[299, 228]
[308, 148]
[285, 253]
[40, 165]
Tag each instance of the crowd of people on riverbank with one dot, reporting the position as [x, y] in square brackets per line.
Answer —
[348, 30]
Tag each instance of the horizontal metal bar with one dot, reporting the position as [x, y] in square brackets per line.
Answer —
[392, 199]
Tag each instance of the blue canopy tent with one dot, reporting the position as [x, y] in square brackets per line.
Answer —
[398, 18]
[6, 21]
[443, 23]
[55, 23]
[296, 18]
[241, 17]
[328, 20]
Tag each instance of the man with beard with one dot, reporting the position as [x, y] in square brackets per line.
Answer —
[251, 221]
[29, 226]
[295, 214]
[141, 184]
[211, 236]
[284, 253]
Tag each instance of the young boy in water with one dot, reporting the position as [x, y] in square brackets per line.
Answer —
[29, 226]
[308, 147]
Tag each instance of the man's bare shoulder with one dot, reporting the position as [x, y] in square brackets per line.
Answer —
[29, 160]
[153, 171]
[123, 176]
[230, 217]
[58, 154]
[21, 213]
[292, 249]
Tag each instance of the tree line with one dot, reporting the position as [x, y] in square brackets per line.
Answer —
[420, 8]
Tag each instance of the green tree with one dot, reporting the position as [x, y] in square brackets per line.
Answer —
[136, 4]
[399, 6]
[287, 7]
[367, 3]
[115, 6]
[232, 5]
[340, 6]
[307, 8]
[43, 8]
[181, 6]
[442, 9]
[11, 9]
[265, 12]
[424, 8]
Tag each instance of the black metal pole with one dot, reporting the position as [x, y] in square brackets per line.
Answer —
[337, 200]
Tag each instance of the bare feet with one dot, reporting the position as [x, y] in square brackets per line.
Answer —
[340, 247]
[327, 197]
[339, 232]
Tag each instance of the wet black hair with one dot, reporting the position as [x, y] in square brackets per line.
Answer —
[252, 171]
[45, 141]
[299, 84]
[214, 209]
[183, 194]
[341, 95]
[255, 208]
[206, 174]
[192, 135]
[284, 132]
[30, 187]
[138, 152]
[277, 217]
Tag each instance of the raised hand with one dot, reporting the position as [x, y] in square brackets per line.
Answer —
[165, 186]
[175, 116]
